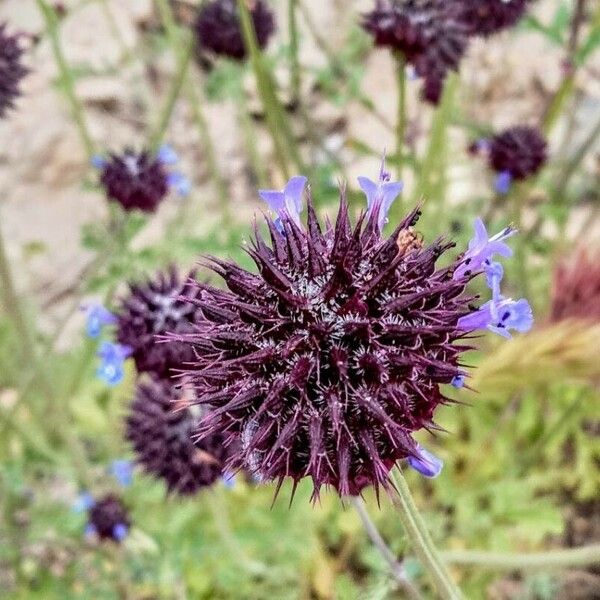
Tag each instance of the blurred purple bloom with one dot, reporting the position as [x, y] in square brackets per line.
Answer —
[180, 183]
[287, 203]
[426, 463]
[481, 249]
[97, 317]
[380, 195]
[98, 162]
[500, 316]
[503, 182]
[90, 530]
[122, 470]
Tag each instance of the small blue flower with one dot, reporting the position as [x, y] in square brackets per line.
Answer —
[122, 470]
[180, 183]
[481, 249]
[228, 480]
[111, 369]
[90, 531]
[84, 502]
[458, 381]
[98, 162]
[500, 316]
[426, 463]
[287, 203]
[494, 272]
[503, 182]
[167, 155]
[97, 316]
[120, 532]
[380, 195]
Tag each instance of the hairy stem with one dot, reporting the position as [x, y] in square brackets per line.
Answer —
[66, 75]
[420, 539]
[395, 566]
[572, 557]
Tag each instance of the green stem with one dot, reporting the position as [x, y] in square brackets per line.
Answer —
[517, 198]
[420, 539]
[66, 75]
[395, 566]
[401, 121]
[249, 139]
[572, 557]
[184, 58]
[281, 133]
[557, 103]
[295, 72]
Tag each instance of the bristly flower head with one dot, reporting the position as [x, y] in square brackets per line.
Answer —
[485, 17]
[576, 286]
[160, 427]
[428, 33]
[108, 519]
[218, 27]
[152, 309]
[12, 69]
[515, 154]
[326, 361]
[140, 180]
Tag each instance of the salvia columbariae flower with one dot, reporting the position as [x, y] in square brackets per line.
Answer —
[122, 471]
[485, 17]
[97, 317]
[576, 286]
[516, 154]
[428, 33]
[160, 427]
[141, 180]
[152, 309]
[108, 518]
[218, 27]
[326, 361]
[12, 69]
[112, 362]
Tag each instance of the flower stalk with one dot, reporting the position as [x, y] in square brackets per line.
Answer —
[420, 539]
[401, 120]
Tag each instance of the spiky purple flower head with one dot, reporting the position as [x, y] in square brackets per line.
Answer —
[108, 518]
[153, 308]
[326, 361]
[516, 153]
[428, 33]
[160, 426]
[12, 69]
[485, 17]
[218, 27]
[140, 180]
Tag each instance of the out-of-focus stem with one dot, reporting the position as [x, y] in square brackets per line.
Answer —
[295, 73]
[66, 75]
[572, 557]
[421, 541]
[184, 58]
[395, 566]
[401, 119]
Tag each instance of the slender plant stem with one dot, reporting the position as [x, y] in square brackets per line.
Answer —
[282, 135]
[184, 58]
[395, 566]
[420, 539]
[295, 72]
[572, 557]
[249, 139]
[401, 120]
[66, 75]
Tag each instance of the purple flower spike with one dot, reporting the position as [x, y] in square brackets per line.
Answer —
[500, 316]
[503, 182]
[426, 463]
[97, 317]
[287, 203]
[120, 532]
[167, 155]
[122, 470]
[380, 195]
[481, 249]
